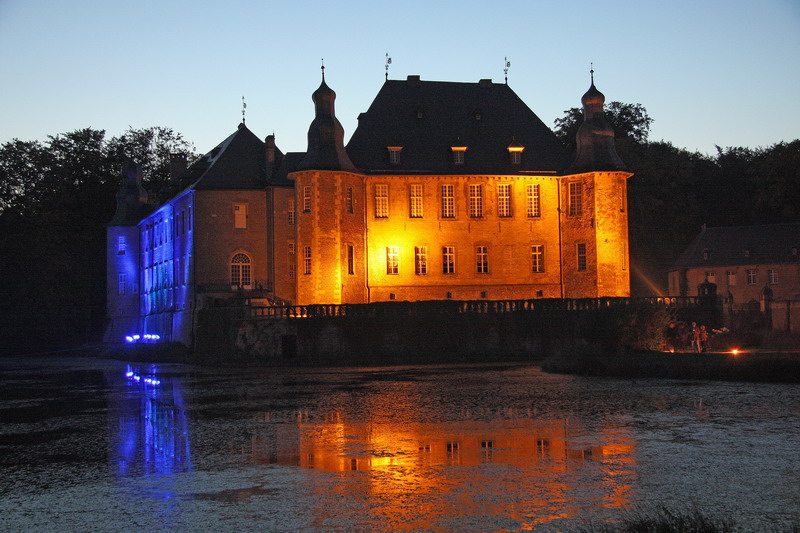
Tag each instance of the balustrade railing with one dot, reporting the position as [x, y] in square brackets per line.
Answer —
[432, 307]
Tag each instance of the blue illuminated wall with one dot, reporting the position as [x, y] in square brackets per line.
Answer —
[166, 304]
[122, 282]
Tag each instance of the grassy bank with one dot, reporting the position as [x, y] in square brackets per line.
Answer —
[746, 366]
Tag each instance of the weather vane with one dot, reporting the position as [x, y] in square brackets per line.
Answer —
[323, 68]
[244, 108]
[591, 72]
[506, 67]
[388, 62]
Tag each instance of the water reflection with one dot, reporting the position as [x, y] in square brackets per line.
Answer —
[151, 430]
[545, 466]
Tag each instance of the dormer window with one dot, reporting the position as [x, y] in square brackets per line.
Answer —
[458, 154]
[746, 252]
[478, 116]
[394, 154]
[706, 254]
[515, 153]
[420, 113]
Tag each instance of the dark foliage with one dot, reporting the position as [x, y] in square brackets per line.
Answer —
[55, 199]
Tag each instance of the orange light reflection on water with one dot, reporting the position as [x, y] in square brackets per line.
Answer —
[415, 474]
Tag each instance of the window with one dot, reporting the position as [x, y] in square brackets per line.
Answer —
[711, 277]
[240, 271]
[772, 276]
[516, 158]
[306, 199]
[575, 199]
[476, 201]
[458, 154]
[415, 200]
[706, 254]
[746, 252]
[291, 248]
[533, 204]
[504, 200]
[580, 249]
[381, 201]
[448, 201]
[394, 154]
[420, 260]
[121, 245]
[348, 200]
[392, 260]
[240, 216]
[537, 258]
[121, 283]
[751, 276]
[448, 259]
[290, 210]
[306, 260]
[292, 261]
[482, 259]
[730, 276]
[351, 260]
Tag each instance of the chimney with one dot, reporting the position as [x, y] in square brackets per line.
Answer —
[177, 166]
[413, 80]
[485, 83]
[269, 142]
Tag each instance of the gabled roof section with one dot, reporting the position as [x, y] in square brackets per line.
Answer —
[743, 245]
[428, 118]
[238, 162]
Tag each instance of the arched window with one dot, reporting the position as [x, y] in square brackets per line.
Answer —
[240, 272]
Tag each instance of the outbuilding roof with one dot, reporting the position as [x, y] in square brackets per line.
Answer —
[743, 245]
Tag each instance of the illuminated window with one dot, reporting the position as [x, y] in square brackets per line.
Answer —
[730, 276]
[580, 250]
[121, 246]
[291, 211]
[306, 199]
[349, 200]
[394, 154]
[537, 258]
[381, 201]
[306, 260]
[420, 260]
[292, 261]
[711, 277]
[482, 259]
[448, 201]
[240, 271]
[476, 201]
[448, 259]
[121, 283]
[351, 260]
[392, 260]
[240, 216]
[772, 276]
[458, 154]
[532, 200]
[504, 200]
[575, 199]
[415, 200]
[751, 276]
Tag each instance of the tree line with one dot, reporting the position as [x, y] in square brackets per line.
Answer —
[57, 196]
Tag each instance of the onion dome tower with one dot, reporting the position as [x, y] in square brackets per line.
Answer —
[325, 135]
[595, 139]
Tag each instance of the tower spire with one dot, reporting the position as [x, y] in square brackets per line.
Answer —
[591, 72]
[323, 68]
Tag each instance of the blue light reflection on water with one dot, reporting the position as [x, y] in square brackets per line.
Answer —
[153, 424]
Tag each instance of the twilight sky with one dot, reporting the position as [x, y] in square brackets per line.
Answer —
[709, 72]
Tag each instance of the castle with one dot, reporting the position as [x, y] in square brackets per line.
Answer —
[445, 191]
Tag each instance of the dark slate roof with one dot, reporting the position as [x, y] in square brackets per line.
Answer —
[485, 117]
[238, 162]
[743, 245]
[289, 163]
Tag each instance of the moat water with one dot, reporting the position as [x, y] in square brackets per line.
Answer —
[93, 445]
